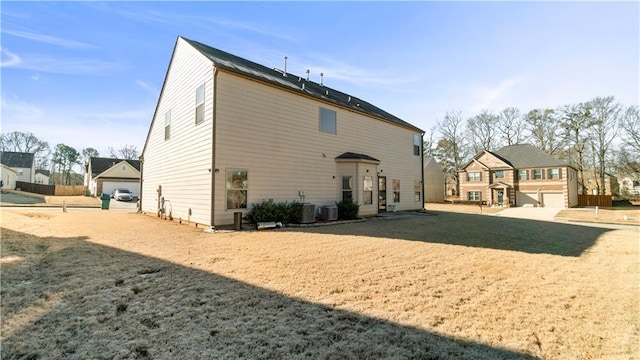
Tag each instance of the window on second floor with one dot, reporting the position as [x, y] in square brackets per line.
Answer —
[200, 104]
[328, 122]
[523, 175]
[499, 174]
[167, 125]
[416, 144]
[554, 174]
[474, 176]
[537, 174]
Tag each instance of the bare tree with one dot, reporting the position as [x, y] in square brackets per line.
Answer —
[606, 116]
[128, 152]
[575, 121]
[482, 131]
[544, 128]
[451, 150]
[429, 143]
[27, 143]
[629, 154]
[511, 126]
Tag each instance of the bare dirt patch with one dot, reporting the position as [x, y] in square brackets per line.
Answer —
[441, 285]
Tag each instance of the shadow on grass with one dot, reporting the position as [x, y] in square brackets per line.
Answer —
[484, 231]
[70, 298]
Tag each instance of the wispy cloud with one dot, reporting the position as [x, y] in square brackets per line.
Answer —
[48, 39]
[494, 97]
[151, 89]
[9, 59]
[51, 123]
[189, 21]
[53, 65]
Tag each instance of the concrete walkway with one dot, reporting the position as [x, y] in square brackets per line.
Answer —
[530, 213]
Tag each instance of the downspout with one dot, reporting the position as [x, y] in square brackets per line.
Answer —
[141, 177]
[213, 149]
[422, 168]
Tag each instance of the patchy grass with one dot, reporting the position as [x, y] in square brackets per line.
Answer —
[97, 284]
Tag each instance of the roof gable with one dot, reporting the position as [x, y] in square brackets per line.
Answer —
[293, 82]
[16, 159]
[528, 156]
[98, 165]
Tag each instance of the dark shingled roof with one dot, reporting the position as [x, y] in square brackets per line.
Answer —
[527, 156]
[44, 172]
[293, 82]
[16, 159]
[100, 165]
[354, 156]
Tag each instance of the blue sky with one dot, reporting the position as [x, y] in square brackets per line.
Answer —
[88, 74]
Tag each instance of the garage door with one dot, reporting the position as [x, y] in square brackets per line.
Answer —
[526, 198]
[553, 199]
[109, 186]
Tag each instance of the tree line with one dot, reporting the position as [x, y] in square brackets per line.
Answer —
[60, 160]
[601, 136]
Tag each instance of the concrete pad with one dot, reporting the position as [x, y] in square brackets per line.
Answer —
[531, 213]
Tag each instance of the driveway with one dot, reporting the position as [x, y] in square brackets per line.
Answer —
[530, 213]
[13, 198]
[123, 205]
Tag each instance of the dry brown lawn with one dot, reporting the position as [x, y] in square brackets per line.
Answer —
[117, 285]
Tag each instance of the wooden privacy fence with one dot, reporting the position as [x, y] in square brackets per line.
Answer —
[595, 200]
[53, 190]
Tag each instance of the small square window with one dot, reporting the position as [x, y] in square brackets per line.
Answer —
[499, 174]
[328, 121]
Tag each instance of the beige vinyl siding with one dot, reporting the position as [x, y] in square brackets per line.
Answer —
[275, 135]
[182, 163]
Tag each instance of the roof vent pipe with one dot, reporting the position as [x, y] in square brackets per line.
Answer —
[285, 67]
[321, 78]
[308, 74]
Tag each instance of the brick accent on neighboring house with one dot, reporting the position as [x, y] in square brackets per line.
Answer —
[519, 175]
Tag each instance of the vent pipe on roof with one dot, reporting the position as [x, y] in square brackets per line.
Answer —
[308, 74]
[321, 78]
[285, 67]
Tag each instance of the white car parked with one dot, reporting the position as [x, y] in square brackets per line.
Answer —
[122, 195]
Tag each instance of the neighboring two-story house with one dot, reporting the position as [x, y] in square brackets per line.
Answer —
[519, 175]
[228, 133]
[42, 177]
[593, 186]
[22, 163]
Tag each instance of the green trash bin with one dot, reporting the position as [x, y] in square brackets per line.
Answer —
[105, 201]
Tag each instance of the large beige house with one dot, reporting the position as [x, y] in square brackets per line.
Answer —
[519, 175]
[228, 133]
